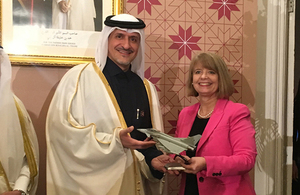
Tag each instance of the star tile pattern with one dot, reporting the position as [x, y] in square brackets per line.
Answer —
[176, 31]
[224, 7]
[184, 42]
[144, 4]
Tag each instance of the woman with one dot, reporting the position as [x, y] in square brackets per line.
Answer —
[226, 151]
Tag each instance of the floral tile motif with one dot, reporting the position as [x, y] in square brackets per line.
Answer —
[224, 7]
[144, 5]
[184, 42]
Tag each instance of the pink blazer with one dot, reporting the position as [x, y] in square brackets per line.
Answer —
[228, 146]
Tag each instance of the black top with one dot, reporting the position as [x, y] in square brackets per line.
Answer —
[132, 98]
[191, 186]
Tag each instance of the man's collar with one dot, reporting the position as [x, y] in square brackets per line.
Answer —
[113, 69]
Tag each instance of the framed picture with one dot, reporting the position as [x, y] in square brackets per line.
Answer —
[47, 33]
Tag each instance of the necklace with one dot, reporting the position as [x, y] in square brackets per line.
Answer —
[205, 116]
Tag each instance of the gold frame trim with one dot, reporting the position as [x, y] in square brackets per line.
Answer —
[48, 60]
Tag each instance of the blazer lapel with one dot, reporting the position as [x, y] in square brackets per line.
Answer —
[189, 120]
[213, 121]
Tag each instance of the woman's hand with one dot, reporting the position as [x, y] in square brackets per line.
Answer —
[182, 159]
[196, 164]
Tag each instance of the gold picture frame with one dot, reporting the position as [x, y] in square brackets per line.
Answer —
[27, 44]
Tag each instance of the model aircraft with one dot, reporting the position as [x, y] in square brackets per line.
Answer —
[169, 144]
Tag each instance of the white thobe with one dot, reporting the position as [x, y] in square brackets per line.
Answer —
[18, 142]
[84, 151]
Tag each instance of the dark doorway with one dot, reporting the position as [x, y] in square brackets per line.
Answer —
[296, 123]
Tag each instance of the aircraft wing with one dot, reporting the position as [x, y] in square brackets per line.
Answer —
[171, 144]
[169, 147]
[191, 140]
[176, 145]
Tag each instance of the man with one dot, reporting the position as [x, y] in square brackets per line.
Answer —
[94, 108]
[73, 14]
[18, 141]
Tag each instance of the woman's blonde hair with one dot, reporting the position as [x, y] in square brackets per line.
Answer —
[216, 63]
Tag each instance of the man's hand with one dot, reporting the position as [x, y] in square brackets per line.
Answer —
[196, 164]
[159, 163]
[64, 6]
[129, 142]
[295, 171]
[15, 192]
